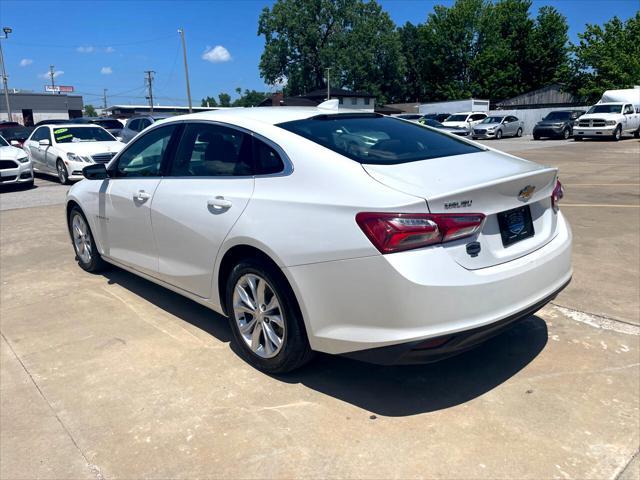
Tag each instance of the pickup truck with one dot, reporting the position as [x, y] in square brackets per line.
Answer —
[608, 119]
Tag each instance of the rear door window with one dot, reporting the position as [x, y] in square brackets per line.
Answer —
[375, 139]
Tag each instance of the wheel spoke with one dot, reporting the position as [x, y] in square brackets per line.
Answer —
[272, 305]
[251, 281]
[244, 297]
[255, 338]
[271, 336]
[248, 327]
[277, 319]
[260, 291]
[241, 308]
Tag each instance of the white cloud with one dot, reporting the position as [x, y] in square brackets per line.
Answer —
[25, 62]
[47, 75]
[106, 71]
[109, 50]
[217, 54]
[85, 49]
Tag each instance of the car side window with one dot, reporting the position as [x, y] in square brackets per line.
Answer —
[133, 124]
[143, 158]
[144, 123]
[628, 109]
[37, 135]
[208, 150]
[266, 159]
[478, 116]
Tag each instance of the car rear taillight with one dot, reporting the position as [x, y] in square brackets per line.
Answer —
[394, 232]
[556, 196]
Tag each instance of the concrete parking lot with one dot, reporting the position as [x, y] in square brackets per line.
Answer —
[110, 376]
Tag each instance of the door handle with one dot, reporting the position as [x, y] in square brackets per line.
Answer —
[141, 196]
[219, 203]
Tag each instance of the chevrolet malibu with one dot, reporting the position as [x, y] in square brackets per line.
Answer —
[64, 150]
[410, 247]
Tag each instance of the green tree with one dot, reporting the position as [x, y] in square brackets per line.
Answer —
[357, 40]
[606, 57]
[225, 99]
[209, 102]
[547, 52]
[250, 98]
[90, 111]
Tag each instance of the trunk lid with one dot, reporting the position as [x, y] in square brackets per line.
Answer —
[486, 182]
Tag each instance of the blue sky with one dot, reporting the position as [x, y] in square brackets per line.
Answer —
[96, 45]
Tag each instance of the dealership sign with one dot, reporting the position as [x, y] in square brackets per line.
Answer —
[58, 88]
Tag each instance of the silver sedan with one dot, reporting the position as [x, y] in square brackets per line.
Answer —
[498, 126]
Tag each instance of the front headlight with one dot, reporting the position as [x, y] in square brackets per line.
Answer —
[77, 158]
[24, 159]
[610, 122]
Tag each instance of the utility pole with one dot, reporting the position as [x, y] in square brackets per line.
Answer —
[52, 74]
[328, 69]
[186, 68]
[150, 86]
[6, 31]
[104, 99]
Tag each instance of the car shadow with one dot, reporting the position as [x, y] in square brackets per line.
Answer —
[393, 391]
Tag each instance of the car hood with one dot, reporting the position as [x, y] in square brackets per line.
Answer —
[612, 116]
[90, 148]
[11, 153]
[487, 125]
[456, 124]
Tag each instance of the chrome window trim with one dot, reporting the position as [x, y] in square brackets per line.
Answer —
[288, 164]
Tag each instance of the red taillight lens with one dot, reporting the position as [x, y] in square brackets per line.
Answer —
[394, 232]
[556, 196]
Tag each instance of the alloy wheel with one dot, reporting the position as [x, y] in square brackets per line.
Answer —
[62, 173]
[81, 238]
[258, 315]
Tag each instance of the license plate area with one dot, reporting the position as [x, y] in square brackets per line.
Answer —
[515, 225]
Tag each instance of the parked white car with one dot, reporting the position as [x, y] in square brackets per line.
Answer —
[466, 120]
[15, 166]
[498, 126]
[410, 247]
[610, 120]
[64, 150]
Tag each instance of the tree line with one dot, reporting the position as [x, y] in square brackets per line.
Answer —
[475, 48]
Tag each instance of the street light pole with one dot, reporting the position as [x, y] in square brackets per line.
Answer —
[6, 31]
[186, 68]
[52, 74]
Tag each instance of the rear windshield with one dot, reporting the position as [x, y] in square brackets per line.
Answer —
[113, 124]
[82, 134]
[20, 133]
[373, 139]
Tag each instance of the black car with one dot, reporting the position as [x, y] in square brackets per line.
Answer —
[438, 117]
[111, 125]
[558, 124]
[16, 136]
[53, 121]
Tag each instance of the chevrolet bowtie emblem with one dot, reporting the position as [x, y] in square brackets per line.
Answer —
[526, 193]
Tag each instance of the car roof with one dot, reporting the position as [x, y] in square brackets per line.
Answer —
[72, 125]
[265, 115]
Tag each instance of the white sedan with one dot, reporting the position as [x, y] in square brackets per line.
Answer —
[407, 246]
[15, 167]
[64, 150]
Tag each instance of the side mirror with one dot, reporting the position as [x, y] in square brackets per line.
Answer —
[44, 143]
[97, 171]
[15, 143]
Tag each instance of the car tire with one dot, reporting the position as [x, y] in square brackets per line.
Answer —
[566, 133]
[617, 133]
[63, 174]
[84, 245]
[498, 134]
[28, 185]
[536, 137]
[519, 133]
[271, 346]
[577, 138]
[636, 134]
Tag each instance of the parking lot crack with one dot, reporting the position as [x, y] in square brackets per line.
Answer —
[598, 321]
[94, 469]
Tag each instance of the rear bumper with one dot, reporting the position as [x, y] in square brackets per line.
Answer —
[440, 348]
[383, 300]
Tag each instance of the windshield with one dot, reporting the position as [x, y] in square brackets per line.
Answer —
[558, 116]
[492, 120]
[108, 124]
[3, 142]
[457, 118]
[82, 134]
[431, 123]
[605, 109]
[373, 139]
[19, 133]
